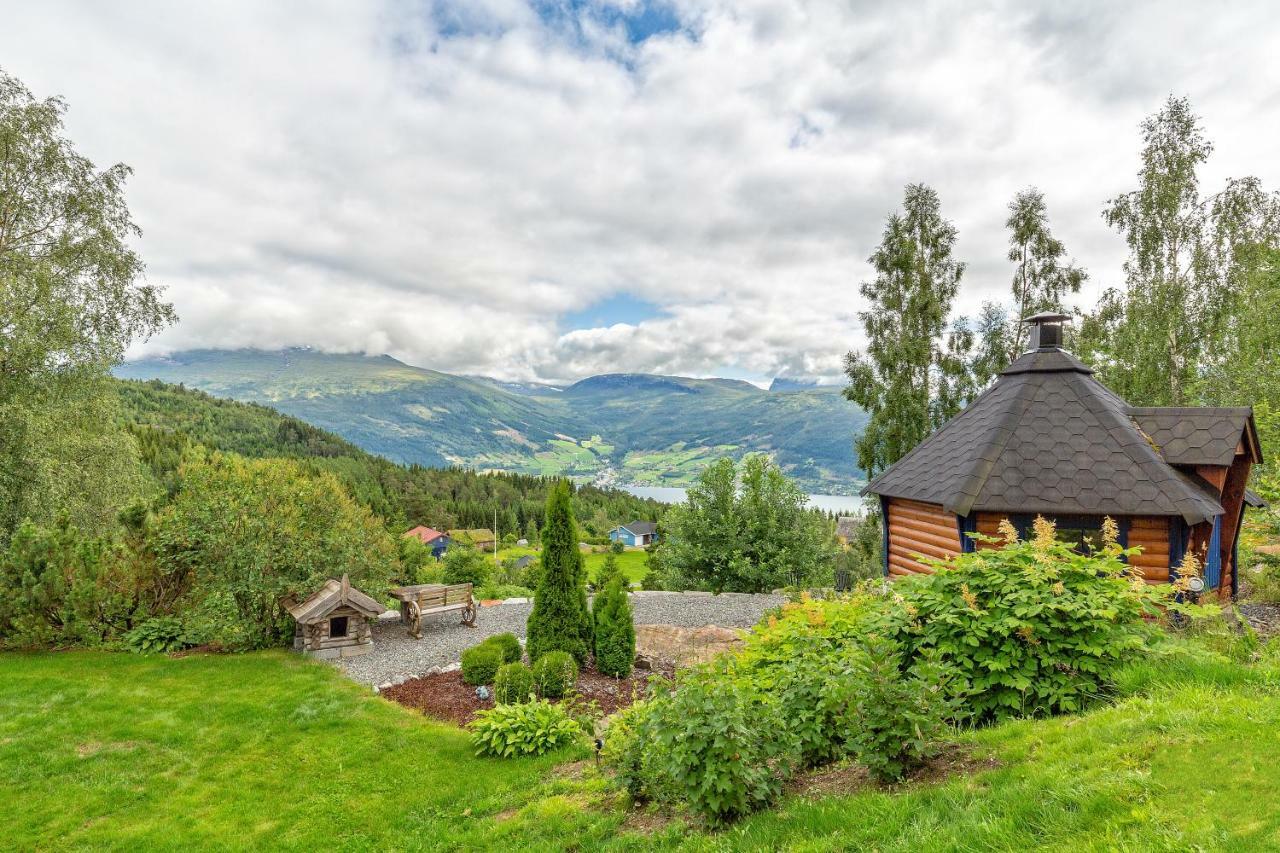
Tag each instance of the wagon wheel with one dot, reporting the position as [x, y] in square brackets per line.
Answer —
[415, 620]
[469, 615]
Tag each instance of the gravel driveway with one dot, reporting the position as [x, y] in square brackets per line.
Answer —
[396, 656]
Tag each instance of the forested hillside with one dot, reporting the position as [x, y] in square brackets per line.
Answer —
[168, 419]
[628, 428]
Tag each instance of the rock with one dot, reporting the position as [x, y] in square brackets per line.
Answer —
[685, 646]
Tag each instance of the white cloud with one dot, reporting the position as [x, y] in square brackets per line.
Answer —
[442, 181]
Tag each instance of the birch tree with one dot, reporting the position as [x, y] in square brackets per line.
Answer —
[906, 379]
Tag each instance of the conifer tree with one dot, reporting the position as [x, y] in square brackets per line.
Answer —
[560, 620]
[615, 630]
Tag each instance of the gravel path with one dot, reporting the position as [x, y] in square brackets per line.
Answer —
[396, 656]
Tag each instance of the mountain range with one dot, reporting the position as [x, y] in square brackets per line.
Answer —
[616, 428]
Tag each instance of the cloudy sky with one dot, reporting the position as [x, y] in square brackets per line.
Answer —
[558, 188]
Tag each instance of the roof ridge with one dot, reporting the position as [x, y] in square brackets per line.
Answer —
[972, 483]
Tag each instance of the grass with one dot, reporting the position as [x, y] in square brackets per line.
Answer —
[634, 564]
[106, 751]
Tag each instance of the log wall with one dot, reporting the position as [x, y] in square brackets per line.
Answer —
[917, 529]
[1150, 533]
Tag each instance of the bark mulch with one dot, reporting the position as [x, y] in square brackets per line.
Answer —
[446, 697]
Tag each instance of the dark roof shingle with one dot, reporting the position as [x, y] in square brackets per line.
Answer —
[1048, 437]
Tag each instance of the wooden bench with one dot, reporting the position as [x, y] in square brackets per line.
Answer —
[427, 599]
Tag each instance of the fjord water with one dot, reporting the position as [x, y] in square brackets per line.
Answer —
[844, 504]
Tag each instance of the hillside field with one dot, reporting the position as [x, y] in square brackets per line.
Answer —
[119, 751]
[624, 428]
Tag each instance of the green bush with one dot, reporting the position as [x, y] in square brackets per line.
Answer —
[61, 587]
[531, 728]
[161, 634]
[628, 750]
[480, 663]
[560, 620]
[464, 564]
[616, 547]
[1030, 628]
[615, 630]
[554, 674]
[896, 718]
[513, 684]
[510, 646]
[722, 743]
[807, 654]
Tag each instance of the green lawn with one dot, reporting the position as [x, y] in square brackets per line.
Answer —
[632, 563]
[102, 751]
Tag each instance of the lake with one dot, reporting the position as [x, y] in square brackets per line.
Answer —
[843, 504]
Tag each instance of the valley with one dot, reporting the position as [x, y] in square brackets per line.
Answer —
[612, 429]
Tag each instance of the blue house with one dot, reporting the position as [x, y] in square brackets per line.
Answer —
[637, 534]
[435, 540]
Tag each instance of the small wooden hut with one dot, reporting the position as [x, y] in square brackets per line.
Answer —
[1049, 439]
[335, 621]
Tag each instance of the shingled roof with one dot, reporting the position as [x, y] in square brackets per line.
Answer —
[1048, 437]
[330, 597]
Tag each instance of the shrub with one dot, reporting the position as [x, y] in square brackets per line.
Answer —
[61, 587]
[560, 620]
[509, 645]
[723, 744]
[554, 674]
[531, 728]
[628, 750]
[807, 655]
[480, 663]
[161, 634]
[615, 631]
[1032, 627]
[464, 564]
[896, 717]
[246, 533]
[608, 571]
[616, 547]
[513, 684]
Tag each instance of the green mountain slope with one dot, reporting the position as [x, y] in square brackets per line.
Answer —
[625, 428]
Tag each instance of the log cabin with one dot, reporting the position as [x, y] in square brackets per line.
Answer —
[1047, 438]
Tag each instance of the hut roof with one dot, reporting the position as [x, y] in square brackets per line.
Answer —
[330, 597]
[1048, 437]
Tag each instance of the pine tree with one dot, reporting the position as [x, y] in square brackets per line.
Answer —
[615, 630]
[608, 571]
[560, 620]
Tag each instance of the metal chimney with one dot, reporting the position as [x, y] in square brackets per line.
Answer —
[1046, 330]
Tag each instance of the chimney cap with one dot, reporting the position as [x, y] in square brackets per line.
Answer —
[1046, 317]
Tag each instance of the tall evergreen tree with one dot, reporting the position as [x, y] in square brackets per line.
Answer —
[560, 620]
[908, 381]
[1187, 254]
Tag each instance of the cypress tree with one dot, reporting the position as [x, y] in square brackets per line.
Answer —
[615, 630]
[560, 620]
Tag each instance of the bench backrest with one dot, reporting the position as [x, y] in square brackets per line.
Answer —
[443, 596]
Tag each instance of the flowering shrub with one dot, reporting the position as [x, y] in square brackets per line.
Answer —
[1032, 627]
[531, 728]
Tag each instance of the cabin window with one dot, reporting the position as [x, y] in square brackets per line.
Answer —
[338, 627]
[1083, 540]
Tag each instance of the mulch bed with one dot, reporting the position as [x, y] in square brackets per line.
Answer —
[446, 697]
